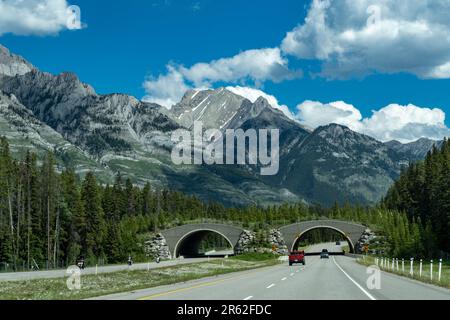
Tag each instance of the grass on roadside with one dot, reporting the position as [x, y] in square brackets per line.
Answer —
[256, 257]
[445, 275]
[124, 281]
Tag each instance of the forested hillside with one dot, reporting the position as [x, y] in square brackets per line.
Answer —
[423, 193]
[49, 216]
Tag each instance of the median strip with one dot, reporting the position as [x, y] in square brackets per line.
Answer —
[126, 281]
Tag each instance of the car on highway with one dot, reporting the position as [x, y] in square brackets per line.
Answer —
[338, 243]
[324, 254]
[297, 257]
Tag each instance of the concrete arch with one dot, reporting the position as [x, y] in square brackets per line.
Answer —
[349, 230]
[179, 245]
[176, 237]
[350, 242]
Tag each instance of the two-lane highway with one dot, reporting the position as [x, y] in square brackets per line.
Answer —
[337, 278]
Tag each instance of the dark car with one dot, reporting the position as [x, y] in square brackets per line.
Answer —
[296, 257]
[324, 254]
[338, 243]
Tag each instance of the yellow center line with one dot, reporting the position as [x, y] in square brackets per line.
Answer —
[157, 295]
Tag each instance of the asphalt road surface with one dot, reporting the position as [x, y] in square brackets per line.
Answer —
[17, 276]
[337, 278]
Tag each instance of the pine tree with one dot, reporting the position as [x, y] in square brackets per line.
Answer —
[95, 223]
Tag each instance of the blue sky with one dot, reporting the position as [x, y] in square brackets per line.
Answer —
[126, 42]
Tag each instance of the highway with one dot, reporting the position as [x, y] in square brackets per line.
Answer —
[337, 278]
[31, 275]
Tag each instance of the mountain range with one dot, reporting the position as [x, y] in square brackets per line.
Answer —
[115, 133]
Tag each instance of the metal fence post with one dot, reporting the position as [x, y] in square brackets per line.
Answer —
[420, 268]
[431, 270]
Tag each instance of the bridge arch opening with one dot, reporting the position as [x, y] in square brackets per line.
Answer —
[203, 243]
[328, 234]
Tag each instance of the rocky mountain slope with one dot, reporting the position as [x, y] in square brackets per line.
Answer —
[118, 133]
[417, 150]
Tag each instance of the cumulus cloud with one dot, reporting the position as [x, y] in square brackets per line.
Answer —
[315, 114]
[406, 123]
[251, 66]
[393, 122]
[37, 17]
[253, 95]
[166, 89]
[365, 36]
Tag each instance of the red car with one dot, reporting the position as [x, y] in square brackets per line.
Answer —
[296, 257]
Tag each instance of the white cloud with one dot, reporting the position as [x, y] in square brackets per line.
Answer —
[37, 17]
[253, 95]
[406, 123]
[365, 36]
[393, 122]
[167, 89]
[251, 66]
[314, 114]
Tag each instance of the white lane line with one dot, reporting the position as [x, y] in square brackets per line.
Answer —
[283, 279]
[248, 298]
[297, 271]
[371, 297]
[271, 286]
[292, 274]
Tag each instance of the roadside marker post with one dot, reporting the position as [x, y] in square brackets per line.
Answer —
[96, 269]
[440, 270]
[396, 261]
[420, 268]
[431, 270]
[411, 271]
[148, 266]
[393, 264]
[403, 265]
